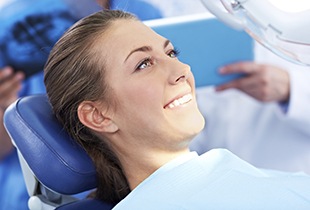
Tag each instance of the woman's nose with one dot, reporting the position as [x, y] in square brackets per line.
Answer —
[179, 72]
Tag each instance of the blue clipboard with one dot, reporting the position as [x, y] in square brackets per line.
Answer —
[205, 44]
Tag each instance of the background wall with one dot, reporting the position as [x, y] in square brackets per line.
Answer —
[179, 7]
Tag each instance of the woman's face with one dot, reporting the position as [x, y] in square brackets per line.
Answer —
[155, 92]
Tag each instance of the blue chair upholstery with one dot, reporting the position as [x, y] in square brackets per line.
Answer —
[41, 139]
[57, 161]
[58, 164]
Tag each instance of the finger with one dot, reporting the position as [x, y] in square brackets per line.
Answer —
[5, 73]
[241, 84]
[11, 85]
[252, 90]
[240, 67]
[259, 94]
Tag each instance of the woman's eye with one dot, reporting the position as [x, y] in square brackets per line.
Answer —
[173, 53]
[144, 64]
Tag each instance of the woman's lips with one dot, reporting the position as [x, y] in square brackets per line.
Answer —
[179, 101]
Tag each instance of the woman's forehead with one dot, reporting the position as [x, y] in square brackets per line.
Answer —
[131, 32]
[125, 35]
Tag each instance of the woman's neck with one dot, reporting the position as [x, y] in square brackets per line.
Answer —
[140, 158]
[142, 164]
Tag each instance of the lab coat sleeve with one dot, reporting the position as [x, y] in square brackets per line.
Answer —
[298, 109]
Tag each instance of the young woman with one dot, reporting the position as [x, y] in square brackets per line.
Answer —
[120, 91]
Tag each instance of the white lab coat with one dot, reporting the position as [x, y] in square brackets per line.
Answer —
[260, 133]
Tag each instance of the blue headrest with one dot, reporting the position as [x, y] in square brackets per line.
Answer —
[55, 159]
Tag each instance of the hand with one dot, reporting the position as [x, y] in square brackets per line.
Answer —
[263, 82]
[10, 84]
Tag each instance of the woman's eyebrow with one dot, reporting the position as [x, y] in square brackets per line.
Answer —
[167, 42]
[146, 48]
[140, 49]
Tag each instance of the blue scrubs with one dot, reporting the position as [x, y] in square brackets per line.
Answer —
[13, 194]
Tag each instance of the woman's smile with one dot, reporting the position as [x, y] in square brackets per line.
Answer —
[184, 99]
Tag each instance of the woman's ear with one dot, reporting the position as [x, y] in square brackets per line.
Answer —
[91, 114]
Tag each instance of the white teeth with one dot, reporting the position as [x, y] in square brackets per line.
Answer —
[186, 98]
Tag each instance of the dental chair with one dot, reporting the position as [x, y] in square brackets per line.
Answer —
[56, 168]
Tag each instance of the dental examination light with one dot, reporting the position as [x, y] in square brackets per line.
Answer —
[285, 30]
